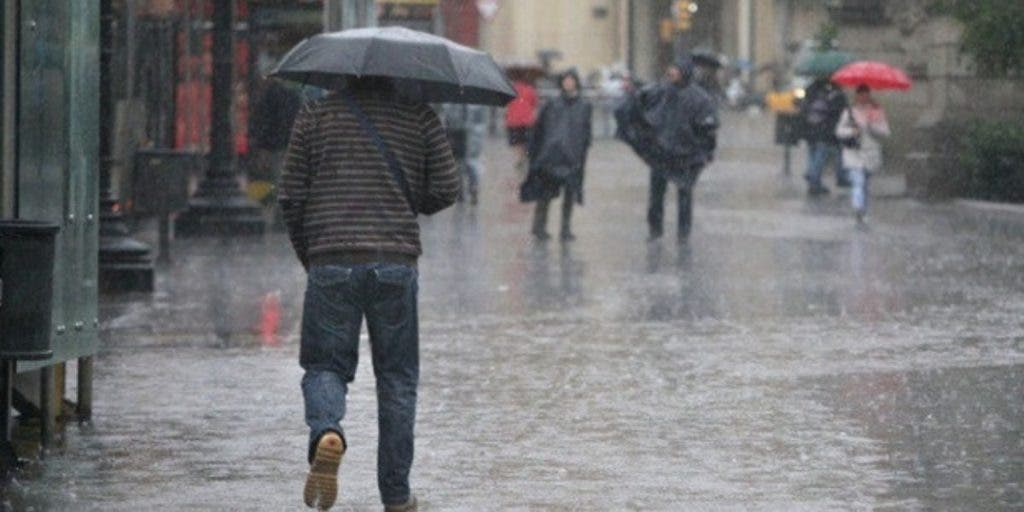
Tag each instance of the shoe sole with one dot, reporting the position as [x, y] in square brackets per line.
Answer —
[321, 489]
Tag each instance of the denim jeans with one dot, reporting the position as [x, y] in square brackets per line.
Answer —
[859, 178]
[337, 299]
[819, 154]
[656, 205]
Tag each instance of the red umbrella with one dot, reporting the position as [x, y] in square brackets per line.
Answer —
[876, 75]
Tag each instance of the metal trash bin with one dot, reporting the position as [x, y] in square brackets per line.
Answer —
[27, 251]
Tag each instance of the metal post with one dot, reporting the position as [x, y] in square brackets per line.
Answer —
[164, 247]
[84, 407]
[47, 407]
[8, 107]
[219, 206]
[125, 263]
[8, 459]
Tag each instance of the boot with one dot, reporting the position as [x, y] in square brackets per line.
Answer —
[540, 220]
[566, 234]
[322, 482]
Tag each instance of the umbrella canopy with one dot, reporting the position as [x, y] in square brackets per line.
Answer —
[706, 58]
[823, 64]
[426, 67]
[876, 75]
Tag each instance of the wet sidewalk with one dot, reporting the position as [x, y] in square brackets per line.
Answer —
[782, 360]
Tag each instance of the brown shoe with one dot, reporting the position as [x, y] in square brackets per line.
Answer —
[409, 506]
[322, 482]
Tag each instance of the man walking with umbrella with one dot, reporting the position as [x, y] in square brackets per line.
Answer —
[361, 164]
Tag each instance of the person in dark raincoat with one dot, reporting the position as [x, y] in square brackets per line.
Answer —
[673, 127]
[558, 154]
[820, 111]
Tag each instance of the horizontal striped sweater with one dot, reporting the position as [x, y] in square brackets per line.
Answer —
[339, 200]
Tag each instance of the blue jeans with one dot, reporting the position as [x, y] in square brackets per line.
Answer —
[819, 154]
[859, 178]
[337, 299]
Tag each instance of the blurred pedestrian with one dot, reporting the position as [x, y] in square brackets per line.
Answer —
[558, 154]
[673, 127]
[360, 166]
[269, 125]
[520, 115]
[467, 131]
[823, 104]
[859, 129]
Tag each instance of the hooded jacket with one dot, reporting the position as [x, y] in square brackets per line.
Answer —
[558, 147]
[672, 127]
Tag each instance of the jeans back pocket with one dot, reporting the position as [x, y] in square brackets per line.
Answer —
[329, 276]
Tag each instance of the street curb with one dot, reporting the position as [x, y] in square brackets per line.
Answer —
[1003, 217]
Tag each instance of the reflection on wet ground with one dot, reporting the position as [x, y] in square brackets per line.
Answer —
[781, 360]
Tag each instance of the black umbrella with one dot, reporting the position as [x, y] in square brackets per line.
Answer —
[426, 67]
[706, 58]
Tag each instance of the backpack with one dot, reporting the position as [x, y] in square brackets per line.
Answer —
[818, 112]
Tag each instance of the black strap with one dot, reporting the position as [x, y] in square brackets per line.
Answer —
[393, 165]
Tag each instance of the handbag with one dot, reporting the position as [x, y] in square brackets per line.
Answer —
[393, 164]
[852, 142]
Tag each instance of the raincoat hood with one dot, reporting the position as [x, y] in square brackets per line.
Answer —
[573, 73]
[684, 63]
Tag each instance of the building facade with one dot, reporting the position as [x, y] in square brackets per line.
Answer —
[586, 34]
[644, 35]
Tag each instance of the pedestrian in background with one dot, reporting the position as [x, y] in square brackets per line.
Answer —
[269, 125]
[823, 104]
[467, 131]
[859, 129]
[520, 116]
[673, 127]
[360, 166]
[558, 155]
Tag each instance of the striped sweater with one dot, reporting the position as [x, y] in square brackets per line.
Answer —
[341, 203]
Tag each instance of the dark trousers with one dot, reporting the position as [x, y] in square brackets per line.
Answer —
[656, 205]
[337, 299]
[540, 213]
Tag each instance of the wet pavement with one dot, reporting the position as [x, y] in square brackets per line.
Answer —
[783, 360]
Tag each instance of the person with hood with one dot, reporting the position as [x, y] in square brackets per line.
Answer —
[467, 130]
[558, 153]
[859, 129]
[673, 127]
[820, 110]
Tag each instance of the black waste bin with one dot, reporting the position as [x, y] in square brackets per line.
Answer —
[27, 251]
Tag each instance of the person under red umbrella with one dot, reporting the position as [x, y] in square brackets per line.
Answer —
[861, 126]
[860, 129]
